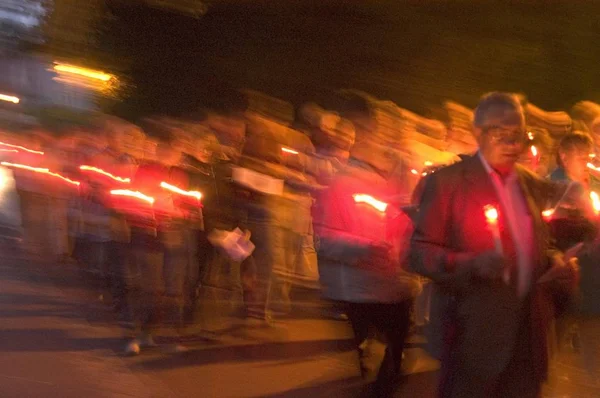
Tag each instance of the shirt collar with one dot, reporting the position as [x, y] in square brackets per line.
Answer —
[491, 172]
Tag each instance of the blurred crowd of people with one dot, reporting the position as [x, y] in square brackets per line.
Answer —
[327, 203]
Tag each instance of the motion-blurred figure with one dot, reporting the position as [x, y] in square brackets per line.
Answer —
[494, 297]
[362, 249]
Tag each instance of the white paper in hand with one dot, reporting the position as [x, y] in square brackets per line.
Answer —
[236, 244]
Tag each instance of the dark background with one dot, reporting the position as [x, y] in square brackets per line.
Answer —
[415, 53]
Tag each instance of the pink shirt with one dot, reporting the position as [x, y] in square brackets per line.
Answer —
[519, 221]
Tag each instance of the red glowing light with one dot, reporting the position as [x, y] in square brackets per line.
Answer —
[40, 170]
[368, 199]
[173, 188]
[132, 194]
[104, 173]
[21, 148]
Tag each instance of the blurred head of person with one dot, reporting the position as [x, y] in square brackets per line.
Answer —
[149, 149]
[205, 147]
[499, 125]
[574, 154]
[377, 155]
[168, 154]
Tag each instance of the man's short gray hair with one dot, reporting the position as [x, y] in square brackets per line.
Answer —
[500, 108]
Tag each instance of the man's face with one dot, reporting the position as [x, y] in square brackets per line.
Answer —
[575, 161]
[502, 145]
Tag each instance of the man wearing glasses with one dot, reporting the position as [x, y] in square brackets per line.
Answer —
[496, 280]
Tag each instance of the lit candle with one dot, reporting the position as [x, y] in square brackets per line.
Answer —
[534, 157]
[173, 188]
[491, 215]
[104, 173]
[595, 202]
[547, 214]
[368, 199]
[132, 194]
[290, 151]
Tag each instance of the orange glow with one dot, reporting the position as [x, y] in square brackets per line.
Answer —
[75, 70]
[368, 199]
[40, 170]
[534, 151]
[415, 172]
[530, 135]
[104, 173]
[491, 214]
[428, 163]
[592, 155]
[548, 213]
[595, 202]
[288, 150]
[132, 194]
[9, 98]
[173, 188]
[21, 148]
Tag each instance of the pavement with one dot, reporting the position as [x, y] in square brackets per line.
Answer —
[59, 340]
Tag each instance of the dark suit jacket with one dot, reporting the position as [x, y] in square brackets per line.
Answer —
[478, 320]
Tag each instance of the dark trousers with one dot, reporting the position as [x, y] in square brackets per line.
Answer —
[121, 277]
[393, 321]
[516, 381]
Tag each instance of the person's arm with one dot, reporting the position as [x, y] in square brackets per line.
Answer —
[431, 254]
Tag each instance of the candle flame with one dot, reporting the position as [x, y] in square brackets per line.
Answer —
[595, 201]
[592, 155]
[491, 214]
[288, 150]
[132, 194]
[428, 163]
[548, 213]
[10, 98]
[424, 174]
[105, 173]
[21, 148]
[173, 188]
[530, 135]
[591, 166]
[415, 172]
[40, 170]
[368, 199]
[75, 70]
[534, 151]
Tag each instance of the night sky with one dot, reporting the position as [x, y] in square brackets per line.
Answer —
[414, 53]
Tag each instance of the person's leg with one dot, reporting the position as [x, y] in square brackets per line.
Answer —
[257, 295]
[149, 262]
[360, 320]
[174, 275]
[393, 320]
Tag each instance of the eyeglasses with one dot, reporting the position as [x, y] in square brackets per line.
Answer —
[502, 135]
